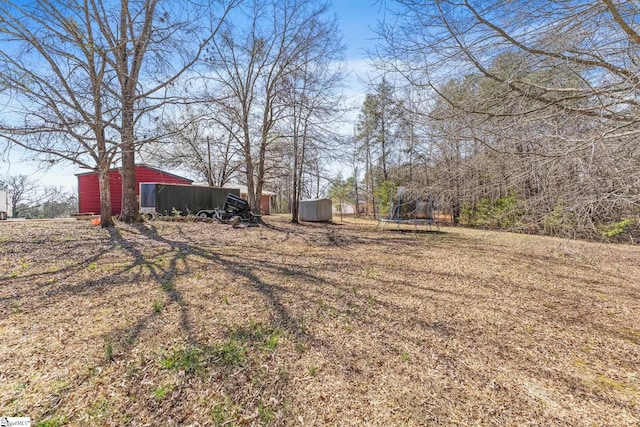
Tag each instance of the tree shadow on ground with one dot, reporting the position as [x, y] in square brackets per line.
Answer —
[372, 313]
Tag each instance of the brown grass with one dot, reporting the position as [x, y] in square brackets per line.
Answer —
[342, 324]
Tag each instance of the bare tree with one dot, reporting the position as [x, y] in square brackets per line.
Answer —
[549, 112]
[83, 76]
[54, 75]
[20, 188]
[140, 42]
[196, 144]
[594, 39]
[33, 200]
[49, 202]
[365, 128]
[313, 105]
[252, 65]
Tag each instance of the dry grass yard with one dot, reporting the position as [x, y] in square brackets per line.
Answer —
[201, 324]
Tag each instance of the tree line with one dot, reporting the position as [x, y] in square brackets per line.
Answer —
[518, 115]
[33, 201]
[99, 83]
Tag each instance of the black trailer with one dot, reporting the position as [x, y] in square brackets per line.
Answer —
[178, 199]
[235, 211]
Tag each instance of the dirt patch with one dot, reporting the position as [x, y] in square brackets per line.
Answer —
[315, 324]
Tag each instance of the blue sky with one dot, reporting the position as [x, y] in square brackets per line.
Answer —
[357, 19]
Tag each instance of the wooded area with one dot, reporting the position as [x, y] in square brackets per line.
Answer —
[521, 115]
[516, 115]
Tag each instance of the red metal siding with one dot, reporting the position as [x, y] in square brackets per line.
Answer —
[88, 193]
[89, 190]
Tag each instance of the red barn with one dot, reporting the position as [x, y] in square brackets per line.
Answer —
[89, 190]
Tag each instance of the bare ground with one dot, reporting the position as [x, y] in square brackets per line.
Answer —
[323, 324]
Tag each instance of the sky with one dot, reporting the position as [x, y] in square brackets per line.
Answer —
[357, 19]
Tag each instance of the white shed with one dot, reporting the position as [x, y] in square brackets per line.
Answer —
[6, 210]
[315, 210]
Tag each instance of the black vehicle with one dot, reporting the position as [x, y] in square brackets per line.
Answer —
[236, 207]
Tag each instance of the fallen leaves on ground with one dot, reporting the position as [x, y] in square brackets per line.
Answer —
[185, 323]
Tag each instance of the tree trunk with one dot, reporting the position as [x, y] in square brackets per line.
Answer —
[455, 211]
[210, 180]
[130, 212]
[262, 155]
[295, 196]
[383, 132]
[106, 220]
[355, 190]
[246, 147]
[370, 173]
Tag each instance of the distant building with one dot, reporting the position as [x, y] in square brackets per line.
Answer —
[6, 206]
[345, 208]
[89, 190]
[265, 200]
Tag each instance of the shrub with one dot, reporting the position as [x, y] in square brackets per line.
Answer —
[561, 220]
[617, 228]
[500, 213]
